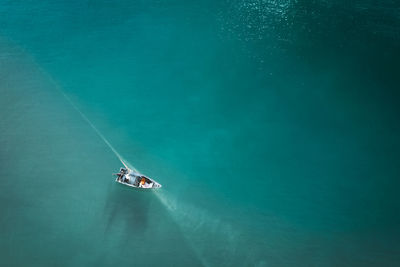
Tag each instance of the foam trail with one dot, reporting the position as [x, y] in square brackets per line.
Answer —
[171, 207]
[123, 161]
[44, 73]
[199, 226]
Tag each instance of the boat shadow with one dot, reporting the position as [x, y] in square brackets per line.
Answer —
[126, 209]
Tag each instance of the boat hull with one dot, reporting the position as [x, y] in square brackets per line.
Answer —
[156, 185]
[136, 180]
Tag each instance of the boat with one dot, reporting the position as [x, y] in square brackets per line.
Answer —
[135, 179]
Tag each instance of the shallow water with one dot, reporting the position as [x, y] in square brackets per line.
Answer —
[272, 126]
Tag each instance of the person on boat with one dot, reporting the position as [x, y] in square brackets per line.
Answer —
[142, 181]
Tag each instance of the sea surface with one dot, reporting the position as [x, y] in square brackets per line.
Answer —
[273, 126]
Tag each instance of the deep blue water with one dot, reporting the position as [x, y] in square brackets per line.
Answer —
[272, 125]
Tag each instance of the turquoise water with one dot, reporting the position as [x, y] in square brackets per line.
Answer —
[272, 126]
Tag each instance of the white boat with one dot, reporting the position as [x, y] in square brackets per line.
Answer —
[131, 178]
